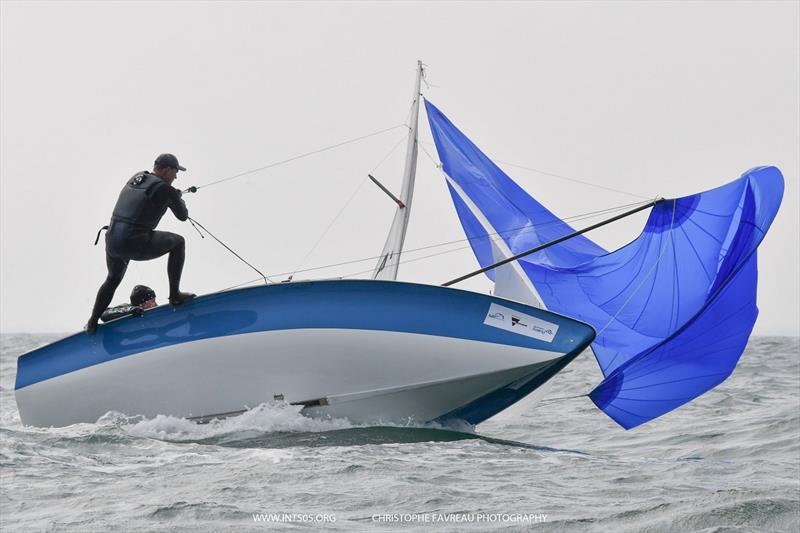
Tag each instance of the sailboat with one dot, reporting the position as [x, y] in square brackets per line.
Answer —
[667, 317]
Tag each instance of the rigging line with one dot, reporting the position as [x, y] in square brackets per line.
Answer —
[327, 229]
[350, 262]
[498, 235]
[425, 78]
[403, 262]
[195, 222]
[436, 163]
[552, 243]
[575, 180]
[295, 158]
[239, 285]
[388, 155]
[440, 167]
[548, 244]
[350, 199]
[551, 400]
[646, 276]
[410, 109]
[560, 176]
[573, 218]
[527, 227]
[635, 291]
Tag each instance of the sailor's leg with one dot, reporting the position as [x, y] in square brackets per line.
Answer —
[177, 256]
[162, 242]
[116, 271]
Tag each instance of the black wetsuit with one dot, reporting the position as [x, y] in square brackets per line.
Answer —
[113, 313]
[131, 234]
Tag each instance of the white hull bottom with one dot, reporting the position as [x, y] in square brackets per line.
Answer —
[363, 375]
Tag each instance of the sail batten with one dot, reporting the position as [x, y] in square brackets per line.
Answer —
[673, 309]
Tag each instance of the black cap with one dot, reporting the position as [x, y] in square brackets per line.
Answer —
[168, 160]
[141, 293]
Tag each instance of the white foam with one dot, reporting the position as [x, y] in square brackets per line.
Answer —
[266, 418]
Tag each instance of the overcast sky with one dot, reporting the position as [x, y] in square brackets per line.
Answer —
[648, 98]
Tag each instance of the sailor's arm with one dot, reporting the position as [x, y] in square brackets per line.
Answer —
[113, 313]
[176, 203]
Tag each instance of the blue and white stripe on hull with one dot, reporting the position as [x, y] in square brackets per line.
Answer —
[368, 350]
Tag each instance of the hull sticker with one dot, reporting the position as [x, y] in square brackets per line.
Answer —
[516, 322]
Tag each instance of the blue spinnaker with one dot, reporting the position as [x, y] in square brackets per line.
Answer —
[673, 309]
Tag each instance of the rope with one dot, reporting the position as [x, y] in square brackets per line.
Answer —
[644, 278]
[436, 163]
[498, 234]
[526, 227]
[327, 228]
[439, 253]
[425, 78]
[652, 268]
[347, 203]
[406, 261]
[552, 400]
[575, 180]
[295, 158]
[196, 223]
[627, 301]
[560, 176]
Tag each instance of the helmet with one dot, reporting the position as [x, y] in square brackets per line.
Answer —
[141, 293]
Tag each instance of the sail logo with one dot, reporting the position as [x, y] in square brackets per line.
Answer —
[520, 323]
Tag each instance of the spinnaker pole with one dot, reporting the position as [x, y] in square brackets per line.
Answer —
[390, 256]
[554, 242]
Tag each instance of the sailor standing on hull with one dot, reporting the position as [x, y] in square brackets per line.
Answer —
[131, 234]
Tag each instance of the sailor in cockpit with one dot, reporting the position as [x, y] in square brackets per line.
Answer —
[142, 298]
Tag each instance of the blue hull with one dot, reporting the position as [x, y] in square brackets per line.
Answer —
[336, 305]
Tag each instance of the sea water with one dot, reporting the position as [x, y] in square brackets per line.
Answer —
[729, 461]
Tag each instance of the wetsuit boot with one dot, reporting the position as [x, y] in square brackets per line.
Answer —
[181, 298]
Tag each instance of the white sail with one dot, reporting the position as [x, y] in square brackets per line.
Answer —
[390, 256]
[510, 281]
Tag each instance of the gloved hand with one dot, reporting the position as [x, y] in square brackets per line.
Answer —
[137, 311]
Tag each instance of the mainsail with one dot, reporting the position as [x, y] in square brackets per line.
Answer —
[673, 309]
[389, 260]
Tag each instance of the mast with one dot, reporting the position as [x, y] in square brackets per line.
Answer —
[390, 256]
